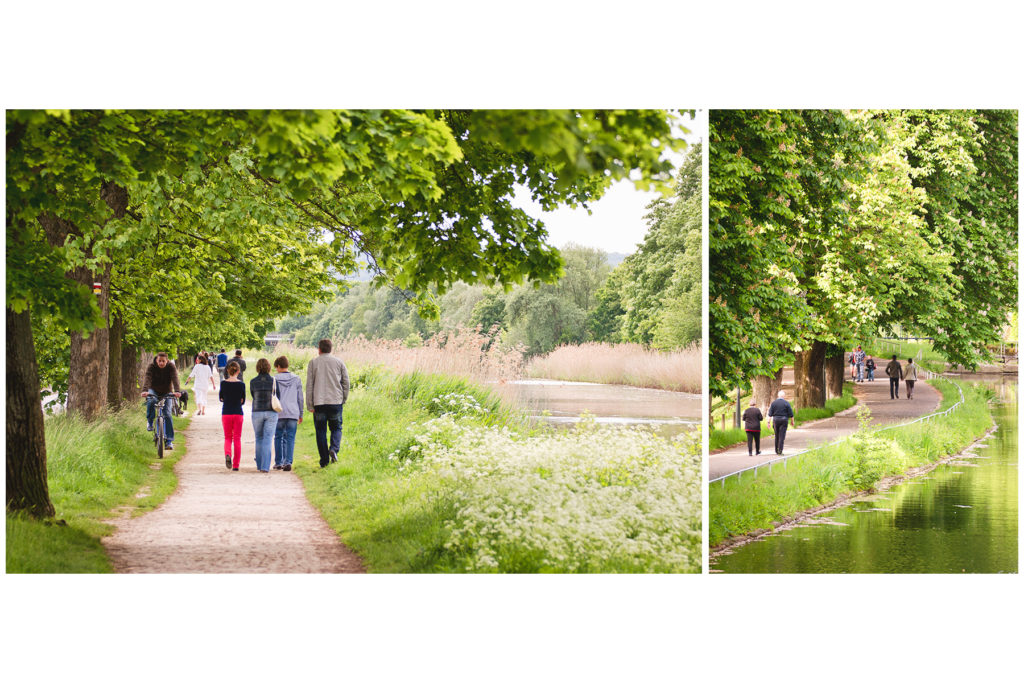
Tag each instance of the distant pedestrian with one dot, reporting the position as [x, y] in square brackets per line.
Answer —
[895, 372]
[222, 363]
[232, 395]
[858, 357]
[752, 419]
[853, 366]
[241, 364]
[869, 366]
[201, 375]
[327, 389]
[264, 417]
[910, 375]
[289, 391]
[781, 413]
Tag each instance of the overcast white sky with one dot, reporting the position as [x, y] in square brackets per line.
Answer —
[616, 222]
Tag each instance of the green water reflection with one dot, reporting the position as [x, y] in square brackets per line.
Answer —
[960, 517]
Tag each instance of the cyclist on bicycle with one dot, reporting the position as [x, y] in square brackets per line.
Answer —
[161, 379]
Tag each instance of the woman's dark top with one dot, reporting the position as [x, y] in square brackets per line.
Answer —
[261, 387]
[752, 419]
[232, 395]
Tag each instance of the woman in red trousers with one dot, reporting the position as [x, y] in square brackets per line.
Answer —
[232, 395]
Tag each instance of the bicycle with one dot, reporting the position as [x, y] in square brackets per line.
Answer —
[159, 425]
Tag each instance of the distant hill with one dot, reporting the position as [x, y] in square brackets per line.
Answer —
[615, 258]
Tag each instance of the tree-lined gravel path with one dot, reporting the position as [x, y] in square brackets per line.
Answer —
[220, 521]
[874, 395]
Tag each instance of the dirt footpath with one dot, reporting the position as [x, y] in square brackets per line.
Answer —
[220, 521]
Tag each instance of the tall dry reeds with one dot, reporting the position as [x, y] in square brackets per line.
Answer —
[466, 352]
[630, 364]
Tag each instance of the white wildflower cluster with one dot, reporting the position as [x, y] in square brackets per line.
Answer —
[597, 499]
[456, 404]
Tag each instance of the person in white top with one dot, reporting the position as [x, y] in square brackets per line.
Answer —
[202, 375]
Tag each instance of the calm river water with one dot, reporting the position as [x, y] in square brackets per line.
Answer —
[670, 412]
[960, 517]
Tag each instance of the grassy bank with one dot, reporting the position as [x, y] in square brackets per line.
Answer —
[857, 464]
[723, 438]
[435, 475]
[92, 469]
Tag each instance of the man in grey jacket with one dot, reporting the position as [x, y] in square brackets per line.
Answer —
[326, 392]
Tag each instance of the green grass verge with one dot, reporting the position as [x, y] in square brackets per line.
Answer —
[392, 522]
[723, 438]
[746, 504]
[398, 517]
[93, 468]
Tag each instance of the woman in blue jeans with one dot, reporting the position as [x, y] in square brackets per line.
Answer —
[264, 419]
[289, 391]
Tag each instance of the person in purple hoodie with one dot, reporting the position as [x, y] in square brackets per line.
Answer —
[289, 392]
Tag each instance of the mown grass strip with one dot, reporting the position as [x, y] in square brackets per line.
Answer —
[746, 504]
[93, 469]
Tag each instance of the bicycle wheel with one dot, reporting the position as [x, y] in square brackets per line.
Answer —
[159, 435]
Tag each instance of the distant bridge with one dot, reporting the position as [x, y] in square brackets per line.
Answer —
[275, 338]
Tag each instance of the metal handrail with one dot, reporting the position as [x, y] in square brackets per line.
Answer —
[785, 459]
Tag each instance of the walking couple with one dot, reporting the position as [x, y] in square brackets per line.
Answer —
[897, 372]
[780, 412]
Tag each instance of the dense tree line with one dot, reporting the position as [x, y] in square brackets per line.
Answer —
[199, 227]
[828, 227]
[652, 297]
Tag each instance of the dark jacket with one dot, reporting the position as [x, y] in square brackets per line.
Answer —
[752, 419]
[870, 364]
[241, 366]
[894, 369]
[161, 380]
[260, 388]
[780, 409]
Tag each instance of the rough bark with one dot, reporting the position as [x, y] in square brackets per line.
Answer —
[27, 487]
[115, 362]
[835, 369]
[810, 377]
[798, 368]
[130, 372]
[766, 389]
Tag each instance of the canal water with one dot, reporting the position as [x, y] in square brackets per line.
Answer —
[562, 403]
[959, 518]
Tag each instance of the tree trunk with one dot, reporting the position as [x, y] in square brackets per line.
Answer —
[810, 380]
[765, 389]
[798, 369]
[89, 369]
[835, 372]
[27, 487]
[130, 383]
[115, 358]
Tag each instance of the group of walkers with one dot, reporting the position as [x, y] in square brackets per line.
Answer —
[278, 403]
[781, 411]
[862, 366]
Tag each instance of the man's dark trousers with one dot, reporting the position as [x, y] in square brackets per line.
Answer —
[894, 387]
[323, 417]
[780, 434]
